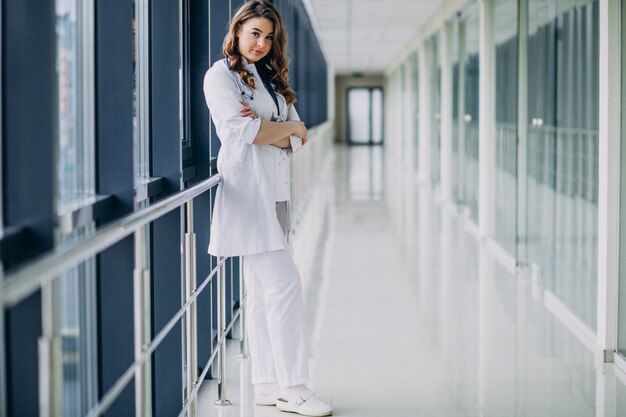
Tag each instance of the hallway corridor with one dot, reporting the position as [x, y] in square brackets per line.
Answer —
[419, 320]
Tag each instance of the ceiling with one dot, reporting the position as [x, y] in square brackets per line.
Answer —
[366, 35]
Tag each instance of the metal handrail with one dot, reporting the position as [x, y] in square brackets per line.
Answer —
[26, 280]
[43, 272]
[109, 397]
[221, 339]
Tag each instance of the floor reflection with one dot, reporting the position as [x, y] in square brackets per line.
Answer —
[364, 168]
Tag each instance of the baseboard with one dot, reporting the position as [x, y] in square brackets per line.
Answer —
[582, 332]
[552, 303]
[471, 227]
[507, 260]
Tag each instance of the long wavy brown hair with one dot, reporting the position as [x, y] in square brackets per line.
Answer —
[275, 65]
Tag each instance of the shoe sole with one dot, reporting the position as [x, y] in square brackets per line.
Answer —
[265, 404]
[309, 415]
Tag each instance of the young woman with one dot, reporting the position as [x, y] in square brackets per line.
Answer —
[251, 104]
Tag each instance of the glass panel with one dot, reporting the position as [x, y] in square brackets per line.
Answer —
[377, 115]
[75, 188]
[183, 72]
[141, 65]
[563, 150]
[136, 163]
[505, 12]
[435, 108]
[416, 99]
[67, 25]
[359, 115]
[365, 114]
[457, 158]
[77, 301]
[403, 97]
[468, 123]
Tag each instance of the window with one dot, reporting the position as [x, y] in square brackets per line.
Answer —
[365, 115]
[141, 91]
[72, 322]
[74, 63]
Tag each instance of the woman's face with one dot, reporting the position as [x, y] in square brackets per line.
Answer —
[255, 38]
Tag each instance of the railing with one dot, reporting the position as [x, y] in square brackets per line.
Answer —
[41, 274]
[44, 273]
[306, 166]
[564, 158]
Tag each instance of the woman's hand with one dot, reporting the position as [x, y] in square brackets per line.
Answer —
[284, 143]
[246, 111]
[299, 129]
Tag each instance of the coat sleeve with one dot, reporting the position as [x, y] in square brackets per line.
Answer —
[296, 142]
[224, 101]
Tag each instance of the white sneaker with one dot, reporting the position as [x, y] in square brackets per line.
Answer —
[306, 404]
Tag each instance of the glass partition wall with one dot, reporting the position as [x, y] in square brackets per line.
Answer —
[466, 106]
[545, 150]
[559, 201]
[562, 181]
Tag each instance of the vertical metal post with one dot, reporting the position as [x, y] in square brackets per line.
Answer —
[230, 293]
[191, 340]
[3, 363]
[3, 376]
[243, 345]
[611, 173]
[50, 368]
[143, 392]
[221, 320]
[143, 401]
[90, 354]
[244, 383]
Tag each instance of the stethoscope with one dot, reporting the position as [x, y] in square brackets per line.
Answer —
[249, 95]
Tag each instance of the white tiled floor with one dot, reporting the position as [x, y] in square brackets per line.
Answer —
[407, 316]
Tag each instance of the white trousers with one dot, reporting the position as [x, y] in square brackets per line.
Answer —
[275, 319]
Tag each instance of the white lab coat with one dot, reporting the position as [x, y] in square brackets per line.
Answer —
[244, 215]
